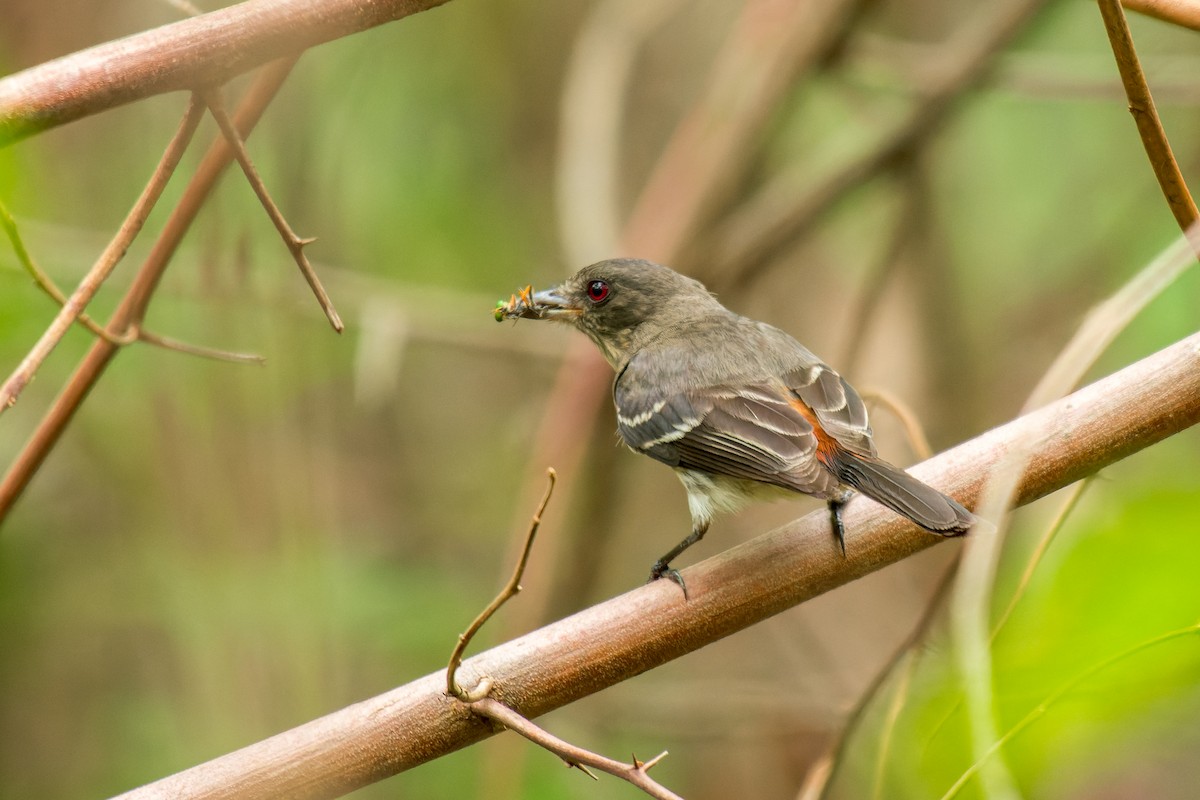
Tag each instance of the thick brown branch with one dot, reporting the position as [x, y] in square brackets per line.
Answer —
[202, 51]
[623, 637]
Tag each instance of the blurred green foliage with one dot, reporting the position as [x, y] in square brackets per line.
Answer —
[215, 553]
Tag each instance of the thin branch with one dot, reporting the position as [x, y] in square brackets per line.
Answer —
[1181, 12]
[745, 245]
[1071, 500]
[207, 50]
[46, 284]
[591, 114]
[636, 773]
[478, 701]
[294, 244]
[133, 306]
[906, 652]
[200, 351]
[769, 45]
[1141, 106]
[917, 439]
[971, 607]
[134, 334]
[866, 300]
[1102, 423]
[107, 261]
[1041, 708]
[510, 590]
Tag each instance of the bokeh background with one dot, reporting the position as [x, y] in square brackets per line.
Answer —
[216, 553]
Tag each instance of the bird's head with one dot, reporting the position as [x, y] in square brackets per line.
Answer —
[621, 304]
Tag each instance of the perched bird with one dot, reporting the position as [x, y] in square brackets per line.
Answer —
[739, 408]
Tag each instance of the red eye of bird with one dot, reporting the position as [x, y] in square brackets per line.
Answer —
[597, 291]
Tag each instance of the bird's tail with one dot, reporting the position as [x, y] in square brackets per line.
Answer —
[904, 494]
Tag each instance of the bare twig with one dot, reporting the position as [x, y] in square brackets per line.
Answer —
[207, 50]
[1180, 12]
[104, 265]
[1141, 106]
[1058, 694]
[510, 589]
[1125, 412]
[1068, 505]
[636, 773]
[590, 117]
[45, 283]
[133, 307]
[200, 351]
[905, 654]
[134, 334]
[871, 287]
[971, 606]
[769, 44]
[747, 243]
[477, 699]
[295, 245]
[917, 439]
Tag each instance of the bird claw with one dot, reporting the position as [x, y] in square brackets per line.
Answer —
[661, 570]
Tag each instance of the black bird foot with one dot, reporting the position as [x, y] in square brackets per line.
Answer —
[835, 518]
[662, 569]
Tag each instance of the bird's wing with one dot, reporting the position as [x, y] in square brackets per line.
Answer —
[833, 407]
[756, 431]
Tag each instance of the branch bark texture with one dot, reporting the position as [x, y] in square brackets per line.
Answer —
[623, 637]
[194, 53]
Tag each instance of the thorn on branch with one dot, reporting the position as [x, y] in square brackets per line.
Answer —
[294, 244]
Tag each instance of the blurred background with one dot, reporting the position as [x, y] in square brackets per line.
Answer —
[929, 194]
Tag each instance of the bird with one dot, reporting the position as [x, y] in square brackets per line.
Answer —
[739, 408]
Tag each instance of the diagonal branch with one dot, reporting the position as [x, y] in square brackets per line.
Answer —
[294, 243]
[747, 243]
[1141, 106]
[637, 773]
[107, 261]
[133, 307]
[202, 51]
[651, 625]
[1180, 12]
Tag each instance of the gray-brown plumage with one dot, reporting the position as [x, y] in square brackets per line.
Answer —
[739, 408]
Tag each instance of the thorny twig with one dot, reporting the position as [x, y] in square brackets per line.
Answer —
[636, 773]
[294, 243]
[133, 333]
[510, 589]
[132, 308]
[478, 701]
[112, 254]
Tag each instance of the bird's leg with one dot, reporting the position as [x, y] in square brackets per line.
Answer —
[835, 517]
[662, 567]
